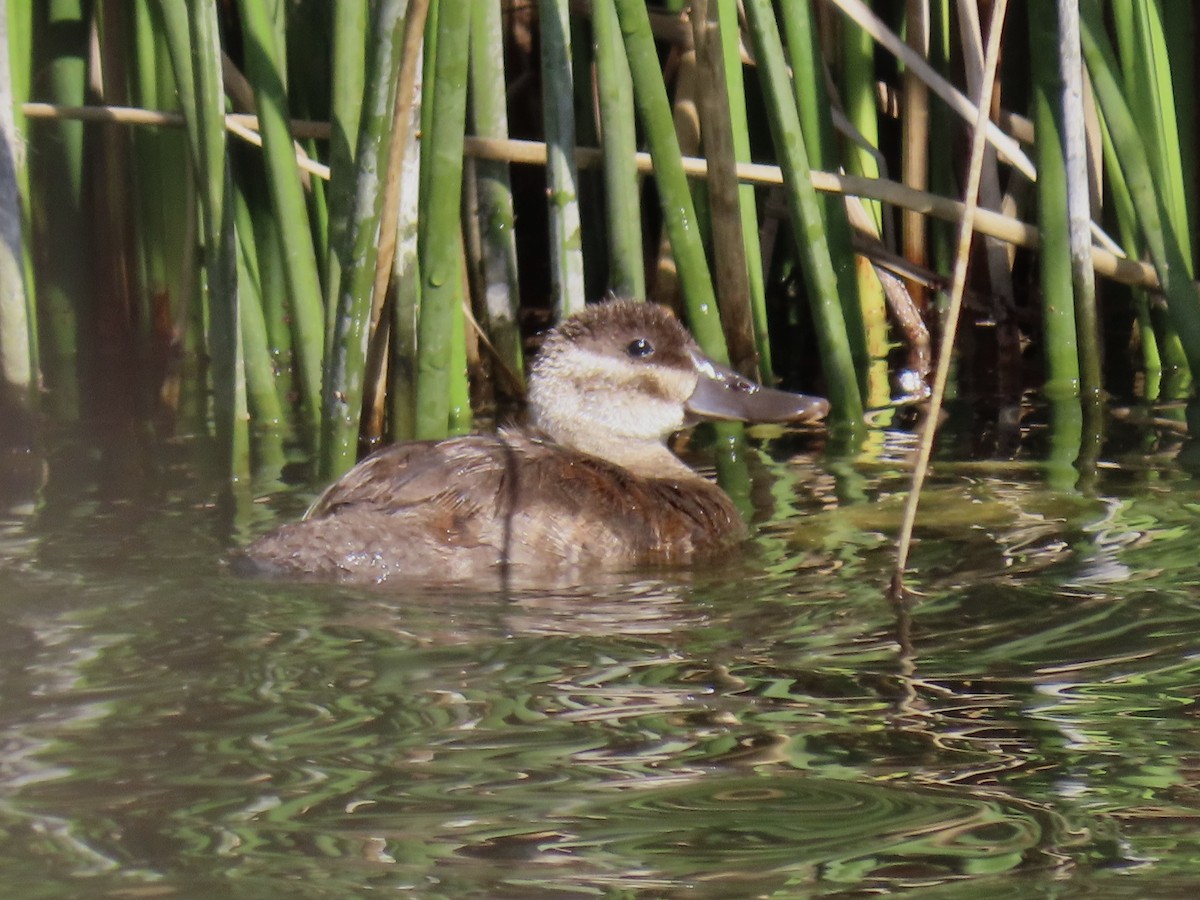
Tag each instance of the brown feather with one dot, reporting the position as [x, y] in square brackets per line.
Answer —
[476, 506]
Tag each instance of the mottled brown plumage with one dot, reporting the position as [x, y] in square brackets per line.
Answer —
[452, 510]
[593, 487]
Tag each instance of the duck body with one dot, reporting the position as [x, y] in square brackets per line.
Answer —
[591, 486]
[512, 503]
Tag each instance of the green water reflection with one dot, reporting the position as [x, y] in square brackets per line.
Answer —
[771, 728]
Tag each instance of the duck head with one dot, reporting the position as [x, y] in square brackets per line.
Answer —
[619, 378]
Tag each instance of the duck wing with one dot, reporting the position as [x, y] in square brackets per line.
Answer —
[425, 511]
[580, 512]
[454, 474]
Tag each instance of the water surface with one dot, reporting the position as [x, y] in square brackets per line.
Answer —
[770, 727]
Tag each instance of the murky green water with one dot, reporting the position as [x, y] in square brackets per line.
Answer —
[774, 728]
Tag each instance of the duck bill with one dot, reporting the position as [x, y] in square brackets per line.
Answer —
[722, 393]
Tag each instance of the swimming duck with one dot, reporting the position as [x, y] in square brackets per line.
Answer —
[591, 485]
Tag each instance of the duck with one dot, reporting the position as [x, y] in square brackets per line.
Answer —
[589, 484]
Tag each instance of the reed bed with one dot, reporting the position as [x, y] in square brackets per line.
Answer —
[348, 219]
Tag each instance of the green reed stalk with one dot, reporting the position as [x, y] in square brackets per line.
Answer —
[151, 221]
[17, 339]
[407, 284]
[1058, 310]
[440, 241]
[201, 77]
[190, 319]
[346, 360]
[807, 220]
[317, 199]
[820, 141]
[459, 416]
[858, 79]
[1142, 76]
[862, 157]
[350, 23]
[863, 303]
[148, 220]
[725, 134]
[593, 242]
[303, 34]
[1173, 266]
[266, 69]
[679, 212]
[272, 289]
[1148, 82]
[567, 289]
[402, 365]
[1149, 75]
[374, 413]
[56, 195]
[163, 196]
[263, 399]
[19, 21]
[727, 22]
[943, 128]
[665, 282]
[730, 456]
[622, 192]
[1179, 24]
[1066, 436]
[173, 16]
[501, 291]
[224, 340]
[723, 191]
[406, 289]
[428, 86]
[1122, 205]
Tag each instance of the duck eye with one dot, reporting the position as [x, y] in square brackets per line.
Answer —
[640, 348]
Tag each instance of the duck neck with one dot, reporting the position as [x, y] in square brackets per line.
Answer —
[649, 459]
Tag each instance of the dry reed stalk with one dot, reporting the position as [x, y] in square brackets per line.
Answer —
[961, 262]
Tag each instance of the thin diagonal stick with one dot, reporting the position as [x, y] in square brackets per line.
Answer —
[861, 15]
[965, 233]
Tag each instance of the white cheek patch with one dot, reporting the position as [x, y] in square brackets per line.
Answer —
[623, 375]
[604, 390]
[643, 418]
[601, 366]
